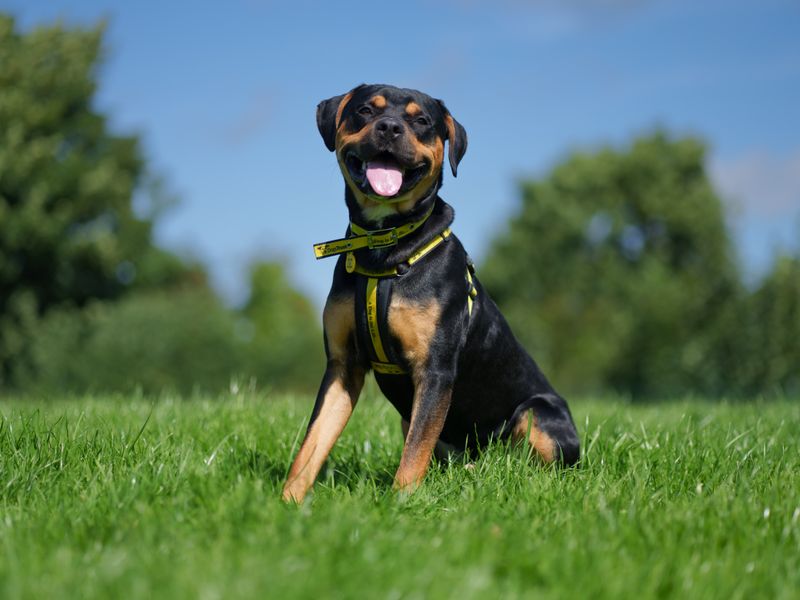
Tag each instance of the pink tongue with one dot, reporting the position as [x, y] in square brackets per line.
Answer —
[384, 178]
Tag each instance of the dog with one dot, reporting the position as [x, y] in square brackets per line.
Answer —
[406, 304]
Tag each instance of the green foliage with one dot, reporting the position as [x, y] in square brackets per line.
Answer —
[87, 301]
[69, 233]
[618, 271]
[182, 340]
[771, 358]
[286, 337]
[118, 497]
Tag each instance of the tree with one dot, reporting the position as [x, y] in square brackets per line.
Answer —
[286, 338]
[618, 271]
[182, 339]
[771, 360]
[69, 232]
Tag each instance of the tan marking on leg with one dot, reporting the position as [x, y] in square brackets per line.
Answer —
[414, 325]
[527, 429]
[337, 404]
[336, 409]
[412, 108]
[420, 444]
[338, 319]
[442, 450]
[378, 101]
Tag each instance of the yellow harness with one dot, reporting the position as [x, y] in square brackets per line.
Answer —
[381, 239]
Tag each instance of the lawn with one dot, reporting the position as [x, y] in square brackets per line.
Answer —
[126, 497]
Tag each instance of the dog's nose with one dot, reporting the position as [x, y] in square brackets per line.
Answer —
[389, 128]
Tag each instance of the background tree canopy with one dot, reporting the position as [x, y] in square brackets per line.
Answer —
[619, 274]
[87, 300]
[69, 233]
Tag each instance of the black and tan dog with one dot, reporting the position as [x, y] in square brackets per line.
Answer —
[405, 303]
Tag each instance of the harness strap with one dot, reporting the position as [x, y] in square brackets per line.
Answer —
[383, 364]
[376, 308]
[472, 291]
[372, 319]
[375, 290]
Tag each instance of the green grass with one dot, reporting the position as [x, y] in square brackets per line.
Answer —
[119, 497]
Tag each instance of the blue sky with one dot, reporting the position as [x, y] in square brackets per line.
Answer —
[224, 95]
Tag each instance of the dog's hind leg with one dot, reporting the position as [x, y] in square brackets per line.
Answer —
[546, 424]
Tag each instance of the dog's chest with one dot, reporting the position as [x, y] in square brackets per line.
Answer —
[393, 331]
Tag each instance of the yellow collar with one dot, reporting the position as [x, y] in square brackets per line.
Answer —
[351, 266]
[364, 238]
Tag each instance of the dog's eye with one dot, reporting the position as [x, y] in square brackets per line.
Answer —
[364, 111]
[421, 121]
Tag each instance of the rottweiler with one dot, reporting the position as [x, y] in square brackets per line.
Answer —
[406, 304]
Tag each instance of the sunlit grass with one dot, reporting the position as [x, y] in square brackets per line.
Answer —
[120, 497]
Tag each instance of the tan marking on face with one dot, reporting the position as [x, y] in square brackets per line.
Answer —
[378, 101]
[434, 154]
[527, 429]
[338, 319]
[374, 210]
[412, 108]
[345, 139]
[377, 210]
[342, 104]
[414, 325]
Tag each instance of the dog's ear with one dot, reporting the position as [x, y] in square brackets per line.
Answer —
[456, 137]
[327, 112]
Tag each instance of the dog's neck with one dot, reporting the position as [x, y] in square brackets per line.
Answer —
[441, 216]
[384, 216]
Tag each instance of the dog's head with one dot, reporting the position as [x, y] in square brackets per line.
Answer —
[389, 143]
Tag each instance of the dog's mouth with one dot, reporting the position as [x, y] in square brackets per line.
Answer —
[383, 175]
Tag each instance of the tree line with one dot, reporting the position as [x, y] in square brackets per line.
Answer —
[618, 272]
[87, 300]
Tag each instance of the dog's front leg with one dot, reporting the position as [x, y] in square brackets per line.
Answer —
[335, 402]
[431, 402]
[336, 399]
[432, 357]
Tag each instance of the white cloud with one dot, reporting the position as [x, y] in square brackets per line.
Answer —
[760, 183]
